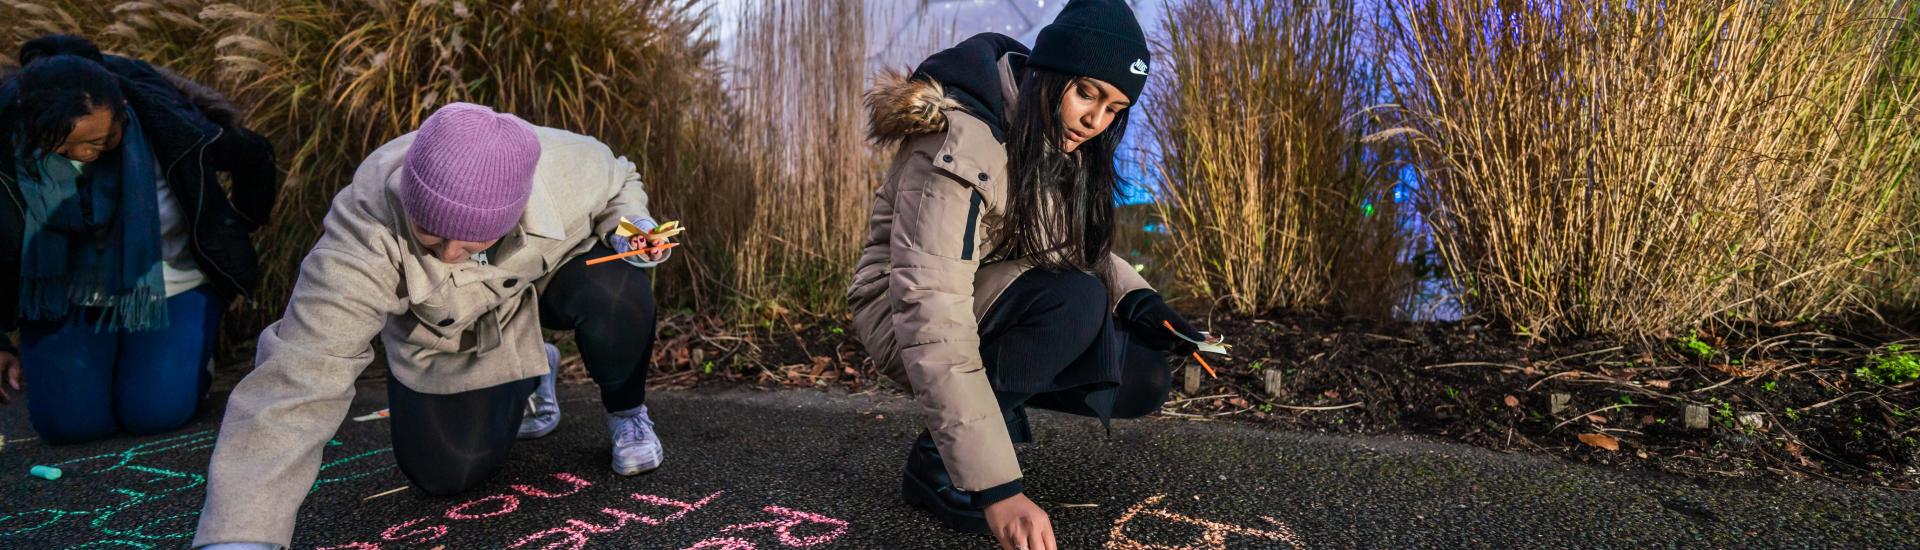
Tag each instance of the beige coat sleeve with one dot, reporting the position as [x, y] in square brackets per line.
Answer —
[629, 196]
[1121, 280]
[931, 289]
[283, 413]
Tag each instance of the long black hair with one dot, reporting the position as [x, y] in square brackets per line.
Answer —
[60, 81]
[1060, 206]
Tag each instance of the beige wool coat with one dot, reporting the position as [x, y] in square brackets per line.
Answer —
[446, 328]
[920, 287]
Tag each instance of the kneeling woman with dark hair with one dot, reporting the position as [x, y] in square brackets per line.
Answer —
[121, 249]
[987, 282]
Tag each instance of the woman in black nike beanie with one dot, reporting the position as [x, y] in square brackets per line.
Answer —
[988, 281]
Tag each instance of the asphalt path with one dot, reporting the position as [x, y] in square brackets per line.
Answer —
[803, 469]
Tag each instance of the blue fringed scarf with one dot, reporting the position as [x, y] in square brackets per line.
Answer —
[93, 239]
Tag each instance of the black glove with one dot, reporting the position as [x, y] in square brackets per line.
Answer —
[1149, 316]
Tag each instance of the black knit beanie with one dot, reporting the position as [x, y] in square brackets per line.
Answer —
[1098, 39]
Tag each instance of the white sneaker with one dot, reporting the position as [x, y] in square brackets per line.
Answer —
[543, 406]
[636, 449]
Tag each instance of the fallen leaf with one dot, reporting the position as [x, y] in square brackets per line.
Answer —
[1332, 394]
[1646, 420]
[1660, 384]
[1597, 419]
[1512, 402]
[1238, 402]
[1603, 441]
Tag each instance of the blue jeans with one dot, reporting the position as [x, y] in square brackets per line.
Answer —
[82, 385]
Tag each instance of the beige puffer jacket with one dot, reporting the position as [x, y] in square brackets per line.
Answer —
[920, 288]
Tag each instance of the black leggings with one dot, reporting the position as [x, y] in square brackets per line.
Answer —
[610, 309]
[1047, 325]
[446, 444]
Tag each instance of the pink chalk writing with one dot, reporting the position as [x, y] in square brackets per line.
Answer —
[432, 531]
[792, 528]
[507, 505]
[571, 479]
[575, 534]
[726, 543]
[795, 518]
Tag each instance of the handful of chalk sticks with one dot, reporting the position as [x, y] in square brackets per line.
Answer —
[628, 230]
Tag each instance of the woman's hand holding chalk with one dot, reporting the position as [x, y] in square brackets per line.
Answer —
[48, 473]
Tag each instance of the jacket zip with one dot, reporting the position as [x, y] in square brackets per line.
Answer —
[973, 223]
[200, 160]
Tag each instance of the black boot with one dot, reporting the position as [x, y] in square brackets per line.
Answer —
[927, 486]
[1017, 426]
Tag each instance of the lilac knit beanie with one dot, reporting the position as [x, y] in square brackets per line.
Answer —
[469, 173]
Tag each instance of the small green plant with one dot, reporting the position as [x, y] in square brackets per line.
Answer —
[1626, 399]
[1770, 386]
[1793, 414]
[1257, 366]
[1724, 411]
[1266, 407]
[837, 330]
[1452, 393]
[1698, 348]
[1896, 366]
[707, 368]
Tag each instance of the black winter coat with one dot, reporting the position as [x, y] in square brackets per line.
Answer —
[195, 135]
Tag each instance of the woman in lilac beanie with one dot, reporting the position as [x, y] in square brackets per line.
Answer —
[454, 245]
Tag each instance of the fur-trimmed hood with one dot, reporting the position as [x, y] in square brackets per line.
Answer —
[974, 76]
[899, 106]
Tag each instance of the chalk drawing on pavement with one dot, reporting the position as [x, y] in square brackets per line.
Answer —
[784, 527]
[139, 489]
[1213, 535]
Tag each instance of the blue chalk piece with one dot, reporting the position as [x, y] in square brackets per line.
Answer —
[48, 473]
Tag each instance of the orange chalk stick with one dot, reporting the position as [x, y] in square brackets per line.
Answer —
[1196, 355]
[1203, 363]
[622, 255]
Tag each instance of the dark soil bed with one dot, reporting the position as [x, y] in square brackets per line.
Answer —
[1781, 401]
